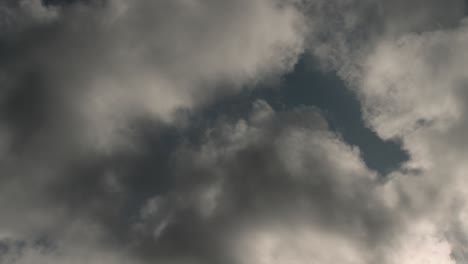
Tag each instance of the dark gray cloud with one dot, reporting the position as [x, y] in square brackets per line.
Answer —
[278, 167]
[130, 132]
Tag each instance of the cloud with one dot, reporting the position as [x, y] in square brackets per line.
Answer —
[112, 61]
[101, 161]
[77, 244]
[343, 32]
[409, 79]
[277, 187]
[280, 187]
[268, 188]
[423, 83]
[79, 79]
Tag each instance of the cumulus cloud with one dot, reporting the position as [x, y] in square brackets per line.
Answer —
[269, 188]
[280, 187]
[271, 169]
[422, 80]
[409, 79]
[102, 160]
[77, 78]
[111, 61]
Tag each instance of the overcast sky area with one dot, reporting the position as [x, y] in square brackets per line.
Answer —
[233, 132]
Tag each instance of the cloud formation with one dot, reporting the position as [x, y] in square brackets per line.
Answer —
[111, 61]
[411, 84]
[104, 158]
[423, 83]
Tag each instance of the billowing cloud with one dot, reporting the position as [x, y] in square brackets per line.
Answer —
[415, 90]
[111, 61]
[78, 77]
[411, 84]
[104, 159]
[270, 188]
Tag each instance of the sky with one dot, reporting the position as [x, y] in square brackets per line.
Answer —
[233, 131]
